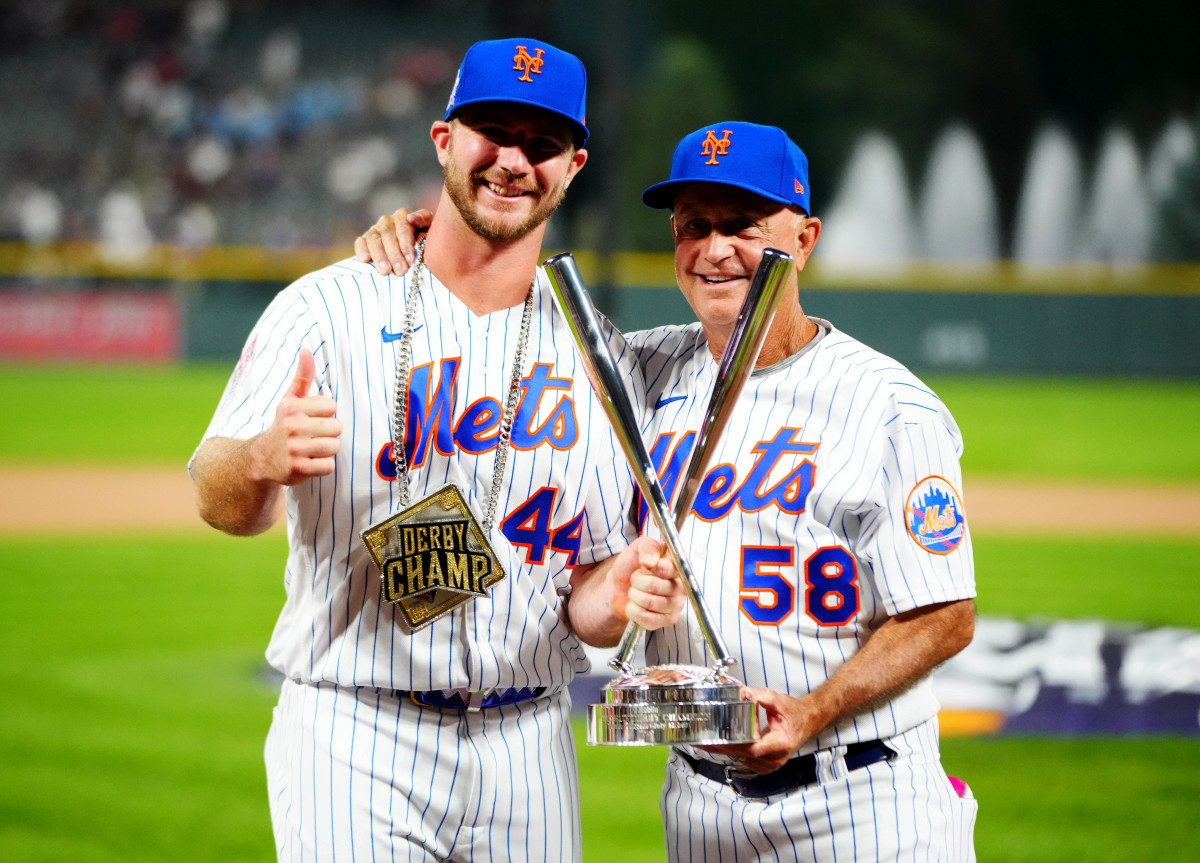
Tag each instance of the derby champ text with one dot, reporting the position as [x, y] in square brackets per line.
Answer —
[435, 556]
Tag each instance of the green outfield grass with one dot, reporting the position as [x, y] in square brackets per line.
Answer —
[135, 710]
[1149, 581]
[1036, 427]
[107, 415]
[134, 717]
[1076, 428]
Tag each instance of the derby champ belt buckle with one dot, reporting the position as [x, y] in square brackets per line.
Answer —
[433, 557]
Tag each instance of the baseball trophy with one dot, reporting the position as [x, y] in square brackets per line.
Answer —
[670, 704]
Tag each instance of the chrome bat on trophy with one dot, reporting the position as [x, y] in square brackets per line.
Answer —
[745, 344]
[605, 378]
[672, 704]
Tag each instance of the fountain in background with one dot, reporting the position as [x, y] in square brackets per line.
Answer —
[1176, 144]
[869, 226]
[958, 216]
[1115, 228]
[959, 227]
[870, 233]
[1048, 207]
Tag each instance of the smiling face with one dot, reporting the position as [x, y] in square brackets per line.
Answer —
[506, 166]
[720, 234]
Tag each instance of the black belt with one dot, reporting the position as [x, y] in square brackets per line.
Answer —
[801, 770]
[465, 699]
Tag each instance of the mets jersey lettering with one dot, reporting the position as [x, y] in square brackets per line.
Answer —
[475, 431]
[720, 491]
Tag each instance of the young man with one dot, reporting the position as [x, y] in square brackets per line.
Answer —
[830, 543]
[447, 475]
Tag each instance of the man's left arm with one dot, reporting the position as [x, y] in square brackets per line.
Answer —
[903, 650]
[638, 584]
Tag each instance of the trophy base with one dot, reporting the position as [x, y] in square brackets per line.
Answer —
[670, 704]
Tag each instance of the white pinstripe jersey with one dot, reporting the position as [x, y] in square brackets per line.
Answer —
[559, 503]
[800, 534]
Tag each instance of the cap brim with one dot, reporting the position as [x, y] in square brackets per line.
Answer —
[579, 128]
[661, 196]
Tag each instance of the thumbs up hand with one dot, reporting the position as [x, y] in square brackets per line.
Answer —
[303, 440]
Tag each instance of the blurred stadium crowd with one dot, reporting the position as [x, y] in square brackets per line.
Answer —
[194, 123]
[213, 122]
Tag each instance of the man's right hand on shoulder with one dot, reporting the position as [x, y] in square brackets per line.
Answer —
[390, 244]
[303, 440]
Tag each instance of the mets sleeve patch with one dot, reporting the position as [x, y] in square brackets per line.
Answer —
[934, 515]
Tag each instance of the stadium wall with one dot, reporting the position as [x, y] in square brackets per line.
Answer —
[1104, 321]
[1099, 334]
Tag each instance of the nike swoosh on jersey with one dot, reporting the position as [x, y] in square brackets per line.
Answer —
[391, 337]
[664, 401]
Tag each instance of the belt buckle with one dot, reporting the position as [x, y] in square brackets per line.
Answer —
[472, 702]
[733, 775]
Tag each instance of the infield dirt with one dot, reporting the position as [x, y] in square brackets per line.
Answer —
[38, 499]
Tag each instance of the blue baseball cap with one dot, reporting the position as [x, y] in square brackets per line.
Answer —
[759, 159]
[526, 71]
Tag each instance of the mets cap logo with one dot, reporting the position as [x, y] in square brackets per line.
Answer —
[712, 146]
[525, 64]
[934, 515]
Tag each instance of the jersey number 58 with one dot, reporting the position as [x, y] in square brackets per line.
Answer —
[830, 578]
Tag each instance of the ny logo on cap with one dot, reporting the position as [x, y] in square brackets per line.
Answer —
[714, 146]
[528, 64]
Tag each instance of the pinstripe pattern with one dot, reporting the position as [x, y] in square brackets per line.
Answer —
[361, 774]
[871, 431]
[334, 630]
[899, 810]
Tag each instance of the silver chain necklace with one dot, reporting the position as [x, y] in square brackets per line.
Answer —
[404, 367]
